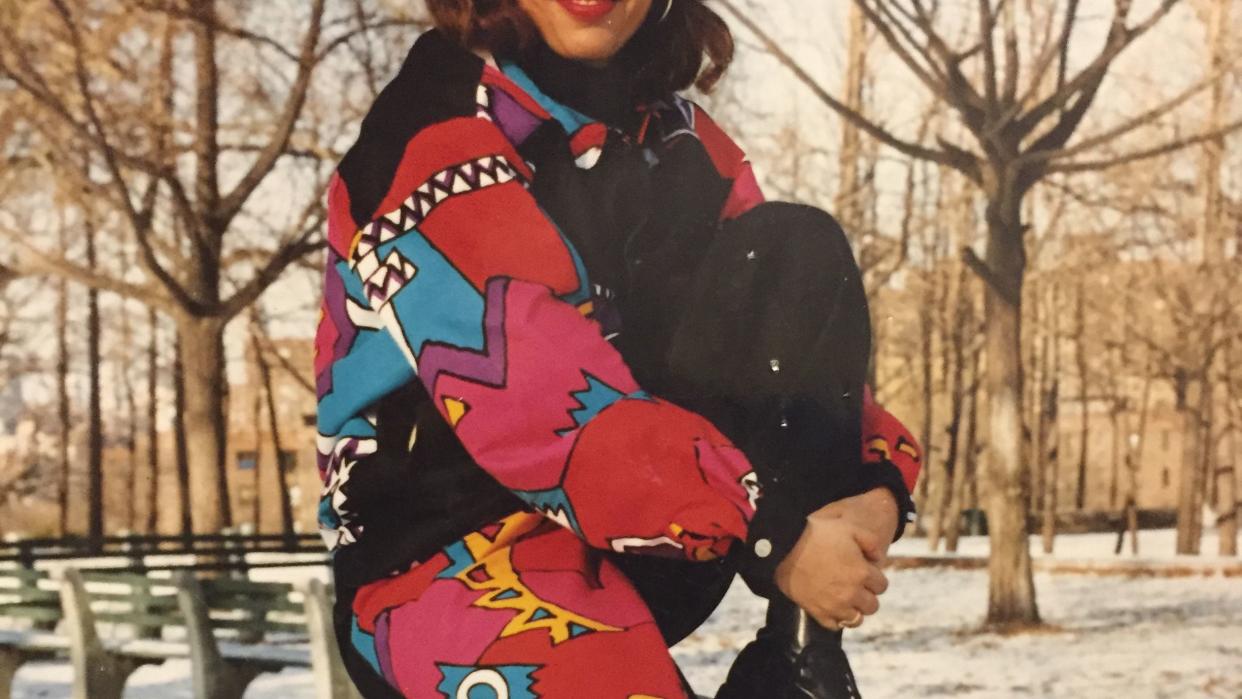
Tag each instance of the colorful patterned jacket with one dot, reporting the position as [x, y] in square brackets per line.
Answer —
[462, 351]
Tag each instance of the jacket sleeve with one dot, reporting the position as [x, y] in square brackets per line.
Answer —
[891, 457]
[489, 303]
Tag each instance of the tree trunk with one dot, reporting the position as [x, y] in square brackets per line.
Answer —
[925, 332]
[957, 360]
[1011, 592]
[1050, 455]
[847, 200]
[1114, 477]
[203, 369]
[1045, 417]
[1206, 453]
[181, 440]
[256, 407]
[1134, 460]
[969, 451]
[1052, 479]
[1084, 432]
[1037, 338]
[131, 424]
[1188, 514]
[1227, 509]
[153, 439]
[286, 507]
[62, 403]
[1228, 485]
[94, 457]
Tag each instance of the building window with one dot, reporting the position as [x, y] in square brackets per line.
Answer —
[1165, 476]
[308, 420]
[288, 461]
[247, 460]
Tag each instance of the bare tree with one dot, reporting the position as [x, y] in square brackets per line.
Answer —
[63, 405]
[182, 175]
[94, 361]
[273, 426]
[1084, 393]
[965, 473]
[1022, 110]
[152, 422]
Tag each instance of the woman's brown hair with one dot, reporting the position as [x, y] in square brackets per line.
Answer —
[692, 46]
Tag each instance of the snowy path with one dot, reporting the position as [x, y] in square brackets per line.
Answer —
[1109, 637]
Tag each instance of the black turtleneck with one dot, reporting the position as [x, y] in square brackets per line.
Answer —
[604, 93]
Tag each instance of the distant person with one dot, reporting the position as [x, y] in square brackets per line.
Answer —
[574, 374]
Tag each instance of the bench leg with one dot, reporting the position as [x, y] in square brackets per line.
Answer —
[331, 679]
[97, 674]
[212, 677]
[228, 681]
[104, 678]
[10, 661]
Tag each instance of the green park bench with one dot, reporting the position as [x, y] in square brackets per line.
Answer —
[110, 624]
[30, 610]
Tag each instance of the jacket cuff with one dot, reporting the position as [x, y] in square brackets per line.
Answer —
[777, 525]
[886, 474]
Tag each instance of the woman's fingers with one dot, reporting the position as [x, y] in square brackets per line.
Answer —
[876, 581]
[864, 602]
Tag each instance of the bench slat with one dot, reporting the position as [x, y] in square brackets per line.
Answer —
[252, 605]
[27, 594]
[32, 613]
[23, 574]
[257, 625]
[33, 640]
[137, 580]
[140, 619]
[246, 587]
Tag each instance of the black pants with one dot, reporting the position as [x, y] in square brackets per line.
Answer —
[772, 346]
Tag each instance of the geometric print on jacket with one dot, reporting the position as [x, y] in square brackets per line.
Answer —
[458, 279]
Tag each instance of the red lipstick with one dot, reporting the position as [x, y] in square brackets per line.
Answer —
[588, 10]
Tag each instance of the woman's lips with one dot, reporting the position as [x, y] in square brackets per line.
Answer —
[588, 10]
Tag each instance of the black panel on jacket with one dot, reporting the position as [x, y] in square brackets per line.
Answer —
[436, 83]
[414, 502]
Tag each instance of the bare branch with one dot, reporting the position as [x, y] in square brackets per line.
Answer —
[1006, 289]
[1146, 153]
[1127, 126]
[1087, 83]
[114, 169]
[279, 142]
[987, 30]
[969, 167]
[34, 261]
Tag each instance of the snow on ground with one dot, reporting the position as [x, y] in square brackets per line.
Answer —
[1112, 637]
[1155, 545]
[1138, 638]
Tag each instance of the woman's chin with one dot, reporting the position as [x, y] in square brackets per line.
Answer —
[589, 45]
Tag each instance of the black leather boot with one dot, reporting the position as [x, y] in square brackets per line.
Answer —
[792, 657]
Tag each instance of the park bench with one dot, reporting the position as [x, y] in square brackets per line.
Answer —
[140, 552]
[30, 609]
[112, 623]
[233, 631]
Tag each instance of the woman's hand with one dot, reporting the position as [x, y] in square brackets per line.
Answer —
[876, 511]
[833, 572]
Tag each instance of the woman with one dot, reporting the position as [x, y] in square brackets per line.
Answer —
[563, 347]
